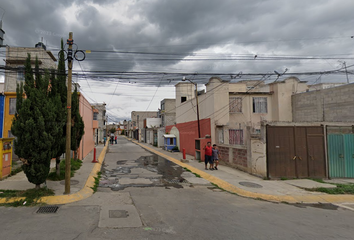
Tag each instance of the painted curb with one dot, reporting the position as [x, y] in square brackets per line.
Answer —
[320, 198]
[85, 192]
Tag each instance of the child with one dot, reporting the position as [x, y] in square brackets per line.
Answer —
[216, 156]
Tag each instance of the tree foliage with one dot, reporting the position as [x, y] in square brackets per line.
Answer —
[34, 124]
[59, 94]
[77, 124]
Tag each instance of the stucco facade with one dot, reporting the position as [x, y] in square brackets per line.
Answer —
[101, 118]
[236, 112]
[137, 118]
[87, 143]
[15, 60]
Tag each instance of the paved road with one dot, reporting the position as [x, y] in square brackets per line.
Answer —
[144, 197]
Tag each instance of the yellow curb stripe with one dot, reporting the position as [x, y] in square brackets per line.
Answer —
[320, 198]
[85, 192]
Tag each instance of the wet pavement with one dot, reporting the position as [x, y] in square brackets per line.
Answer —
[146, 171]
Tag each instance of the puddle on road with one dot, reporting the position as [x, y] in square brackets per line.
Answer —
[164, 173]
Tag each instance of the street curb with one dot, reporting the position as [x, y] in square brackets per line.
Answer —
[85, 192]
[321, 198]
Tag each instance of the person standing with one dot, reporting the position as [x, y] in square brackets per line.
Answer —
[115, 138]
[208, 156]
[104, 140]
[112, 138]
[216, 156]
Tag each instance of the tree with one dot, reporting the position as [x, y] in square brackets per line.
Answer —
[113, 130]
[77, 125]
[33, 124]
[58, 93]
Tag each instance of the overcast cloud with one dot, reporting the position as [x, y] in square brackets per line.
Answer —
[184, 37]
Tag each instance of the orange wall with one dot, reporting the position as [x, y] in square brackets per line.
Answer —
[87, 142]
[188, 132]
[7, 117]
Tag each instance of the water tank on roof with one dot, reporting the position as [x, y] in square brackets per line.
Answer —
[41, 45]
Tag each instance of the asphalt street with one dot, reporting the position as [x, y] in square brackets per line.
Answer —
[142, 196]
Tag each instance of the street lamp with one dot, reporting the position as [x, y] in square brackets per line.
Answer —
[196, 99]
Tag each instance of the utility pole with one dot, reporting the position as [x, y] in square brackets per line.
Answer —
[346, 72]
[196, 99]
[70, 42]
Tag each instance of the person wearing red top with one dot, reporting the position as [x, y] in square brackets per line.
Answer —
[208, 156]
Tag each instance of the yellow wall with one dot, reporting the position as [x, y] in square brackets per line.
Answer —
[7, 117]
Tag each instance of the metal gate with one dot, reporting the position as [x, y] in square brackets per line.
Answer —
[341, 155]
[295, 152]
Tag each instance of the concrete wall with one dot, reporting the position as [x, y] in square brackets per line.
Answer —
[153, 122]
[16, 57]
[87, 142]
[160, 133]
[330, 105]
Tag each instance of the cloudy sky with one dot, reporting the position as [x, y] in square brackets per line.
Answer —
[141, 48]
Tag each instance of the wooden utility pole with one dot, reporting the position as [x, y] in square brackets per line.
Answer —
[70, 42]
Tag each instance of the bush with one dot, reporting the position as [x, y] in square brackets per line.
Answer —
[75, 165]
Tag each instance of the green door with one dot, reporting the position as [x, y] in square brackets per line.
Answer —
[341, 155]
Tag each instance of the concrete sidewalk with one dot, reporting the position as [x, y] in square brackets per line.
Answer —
[80, 186]
[244, 184]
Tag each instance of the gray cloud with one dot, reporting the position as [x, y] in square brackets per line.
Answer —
[212, 29]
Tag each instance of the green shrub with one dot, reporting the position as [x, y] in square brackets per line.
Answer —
[74, 166]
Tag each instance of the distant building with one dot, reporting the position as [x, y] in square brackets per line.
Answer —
[138, 122]
[100, 116]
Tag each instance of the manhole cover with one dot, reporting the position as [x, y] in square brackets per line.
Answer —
[176, 181]
[118, 214]
[48, 209]
[250, 184]
[72, 182]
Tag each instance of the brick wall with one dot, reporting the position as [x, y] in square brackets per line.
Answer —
[224, 153]
[331, 105]
[234, 157]
[239, 157]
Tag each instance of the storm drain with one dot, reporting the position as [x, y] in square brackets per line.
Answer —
[48, 209]
[176, 181]
[118, 214]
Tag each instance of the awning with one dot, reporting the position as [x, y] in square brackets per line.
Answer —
[169, 136]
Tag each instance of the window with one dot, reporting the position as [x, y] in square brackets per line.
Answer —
[183, 99]
[235, 136]
[162, 105]
[95, 115]
[21, 74]
[171, 141]
[260, 105]
[235, 104]
[220, 135]
[12, 108]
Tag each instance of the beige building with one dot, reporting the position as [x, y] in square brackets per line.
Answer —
[15, 59]
[138, 122]
[237, 112]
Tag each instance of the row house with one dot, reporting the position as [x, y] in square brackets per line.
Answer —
[232, 116]
[15, 74]
[100, 116]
